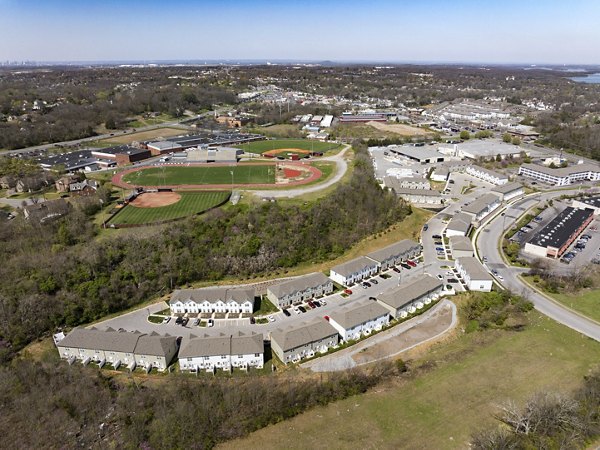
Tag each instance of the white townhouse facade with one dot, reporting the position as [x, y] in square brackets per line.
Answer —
[303, 341]
[395, 253]
[299, 290]
[509, 191]
[118, 348]
[210, 300]
[483, 206]
[357, 320]
[413, 183]
[474, 274]
[226, 352]
[487, 175]
[408, 297]
[563, 176]
[353, 271]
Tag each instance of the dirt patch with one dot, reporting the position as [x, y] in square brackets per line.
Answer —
[398, 128]
[155, 199]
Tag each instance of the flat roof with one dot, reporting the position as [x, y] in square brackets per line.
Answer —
[419, 153]
[558, 231]
[355, 314]
[562, 172]
[591, 201]
[119, 150]
[488, 148]
[70, 160]
[408, 292]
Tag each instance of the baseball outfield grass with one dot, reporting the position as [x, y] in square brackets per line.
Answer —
[275, 144]
[202, 175]
[190, 203]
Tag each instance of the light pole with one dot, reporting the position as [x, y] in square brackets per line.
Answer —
[231, 172]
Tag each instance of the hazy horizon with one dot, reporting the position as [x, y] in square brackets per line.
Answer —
[381, 31]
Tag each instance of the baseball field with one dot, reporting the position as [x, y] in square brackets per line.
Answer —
[276, 144]
[143, 210]
[202, 175]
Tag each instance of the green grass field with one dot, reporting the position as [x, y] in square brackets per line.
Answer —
[274, 144]
[191, 203]
[202, 175]
[452, 392]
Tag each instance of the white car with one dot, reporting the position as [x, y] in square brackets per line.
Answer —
[450, 273]
[500, 277]
[296, 310]
[271, 318]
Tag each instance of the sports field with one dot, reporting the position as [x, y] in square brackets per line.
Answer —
[190, 203]
[202, 175]
[275, 144]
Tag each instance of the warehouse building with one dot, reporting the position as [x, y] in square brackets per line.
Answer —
[361, 319]
[423, 155]
[161, 147]
[304, 341]
[408, 297]
[299, 290]
[554, 239]
[592, 203]
[122, 154]
[210, 155]
[474, 275]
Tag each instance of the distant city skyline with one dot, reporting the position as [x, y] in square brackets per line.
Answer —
[428, 31]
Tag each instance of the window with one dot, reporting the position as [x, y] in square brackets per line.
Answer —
[223, 357]
[257, 354]
[189, 359]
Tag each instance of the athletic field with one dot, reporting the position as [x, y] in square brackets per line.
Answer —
[202, 175]
[275, 144]
[190, 203]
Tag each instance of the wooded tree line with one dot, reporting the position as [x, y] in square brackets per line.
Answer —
[60, 274]
[54, 405]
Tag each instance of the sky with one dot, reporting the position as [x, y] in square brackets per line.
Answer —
[457, 31]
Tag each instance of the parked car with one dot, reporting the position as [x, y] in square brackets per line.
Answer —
[185, 321]
[286, 312]
[500, 277]
[436, 236]
[323, 302]
[311, 304]
[438, 243]
[302, 308]
[366, 284]
[425, 227]
[348, 291]
[439, 276]
[374, 281]
[452, 280]
[297, 310]
[441, 249]
[166, 319]
[316, 303]
[271, 318]
[210, 323]
[395, 269]
[412, 263]
[372, 298]
[450, 273]
[196, 322]
[406, 266]
[179, 320]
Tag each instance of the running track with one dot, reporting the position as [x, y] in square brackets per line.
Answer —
[315, 174]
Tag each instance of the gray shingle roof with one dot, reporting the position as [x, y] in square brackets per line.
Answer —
[303, 334]
[408, 292]
[508, 187]
[397, 249]
[302, 283]
[235, 344]
[461, 243]
[353, 266]
[481, 204]
[213, 295]
[155, 345]
[460, 222]
[356, 314]
[474, 268]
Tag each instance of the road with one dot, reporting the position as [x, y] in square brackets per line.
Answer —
[341, 168]
[487, 245]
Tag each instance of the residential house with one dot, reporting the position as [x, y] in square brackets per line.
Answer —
[509, 191]
[408, 297]
[62, 184]
[225, 352]
[216, 299]
[359, 319]
[353, 271]
[299, 289]
[303, 341]
[461, 246]
[395, 253]
[474, 275]
[483, 206]
[459, 225]
[84, 188]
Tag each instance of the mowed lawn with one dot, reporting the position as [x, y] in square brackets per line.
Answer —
[454, 394]
[191, 203]
[275, 144]
[202, 175]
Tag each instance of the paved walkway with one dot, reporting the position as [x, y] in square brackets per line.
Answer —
[387, 344]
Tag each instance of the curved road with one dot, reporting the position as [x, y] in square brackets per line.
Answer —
[492, 231]
[341, 168]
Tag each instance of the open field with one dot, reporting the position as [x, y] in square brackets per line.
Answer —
[190, 203]
[400, 129]
[449, 394]
[143, 135]
[202, 175]
[275, 144]
[283, 130]
[586, 302]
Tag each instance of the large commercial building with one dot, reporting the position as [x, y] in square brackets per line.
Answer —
[303, 341]
[216, 299]
[408, 297]
[563, 176]
[122, 154]
[225, 352]
[554, 239]
[219, 154]
[474, 275]
[423, 155]
[130, 349]
[395, 253]
[592, 203]
[299, 289]
[354, 271]
[356, 320]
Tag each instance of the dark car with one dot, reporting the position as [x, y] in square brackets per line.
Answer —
[406, 266]
[374, 281]
[425, 227]
[367, 284]
[412, 263]
[438, 243]
[311, 304]
[302, 309]
[436, 236]
[179, 320]
[395, 269]
[185, 321]
[452, 280]
[372, 298]
[316, 303]
[286, 312]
